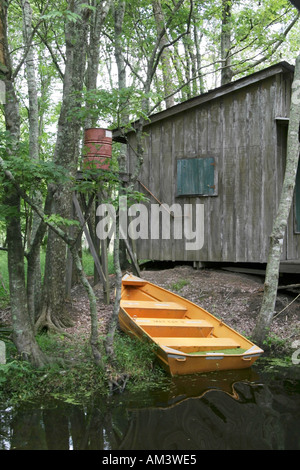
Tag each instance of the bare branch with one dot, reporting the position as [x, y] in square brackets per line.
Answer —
[29, 43]
[154, 60]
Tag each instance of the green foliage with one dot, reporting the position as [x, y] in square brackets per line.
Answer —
[65, 15]
[32, 174]
[73, 376]
[111, 105]
[57, 220]
[94, 178]
[275, 344]
[88, 263]
[21, 382]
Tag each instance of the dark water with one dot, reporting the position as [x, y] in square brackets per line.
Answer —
[234, 410]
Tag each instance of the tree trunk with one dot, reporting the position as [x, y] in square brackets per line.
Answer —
[2, 59]
[98, 17]
[53, 312]
[23, 332]
[113, 322]
[197, 41]
[226, 73]
[34, 278]
[165, 56]
[279, 228]
[31, 82]
[119, 12]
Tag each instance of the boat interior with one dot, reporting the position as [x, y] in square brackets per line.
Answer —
[178, 325]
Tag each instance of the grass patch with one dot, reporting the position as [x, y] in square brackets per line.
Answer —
[277, 345]
[88, 263]
[177, 286]
[137, 358]
[73, 376]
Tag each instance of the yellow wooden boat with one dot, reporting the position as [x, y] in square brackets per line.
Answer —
[188, 339]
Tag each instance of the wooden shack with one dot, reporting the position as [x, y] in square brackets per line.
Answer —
[226, 150]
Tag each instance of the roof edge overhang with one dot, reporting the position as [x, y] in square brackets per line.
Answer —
[281, 67]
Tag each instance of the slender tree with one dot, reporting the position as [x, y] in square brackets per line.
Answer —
[280, 223]
[226, 72]
[53, 313]
[23, 328]
[34, 279]
[100, 11]
[165, 55]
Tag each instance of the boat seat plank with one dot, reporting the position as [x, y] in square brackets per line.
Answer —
[194, 344]
[172, 322]
[133, 281]
[156, 305]
[175, 327]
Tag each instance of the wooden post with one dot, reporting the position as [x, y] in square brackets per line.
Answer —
[104, 280]
[103, 245]
[92, 228]
[104, 261]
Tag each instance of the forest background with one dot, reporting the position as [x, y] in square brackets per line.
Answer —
[71, 65]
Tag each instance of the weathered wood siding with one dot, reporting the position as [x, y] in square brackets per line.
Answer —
[240, 131]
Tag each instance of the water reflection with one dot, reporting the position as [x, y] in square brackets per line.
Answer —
[213, 411]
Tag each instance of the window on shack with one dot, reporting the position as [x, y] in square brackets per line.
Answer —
[196, 177]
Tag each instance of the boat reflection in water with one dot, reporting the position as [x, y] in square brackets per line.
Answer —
[217, 410]
[227, 414]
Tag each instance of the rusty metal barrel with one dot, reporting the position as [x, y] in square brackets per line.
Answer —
[97, 149]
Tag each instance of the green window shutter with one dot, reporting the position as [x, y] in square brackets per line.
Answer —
[297, 200]
[195, 176]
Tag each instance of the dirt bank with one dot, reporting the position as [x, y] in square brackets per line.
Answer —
[234, 297]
